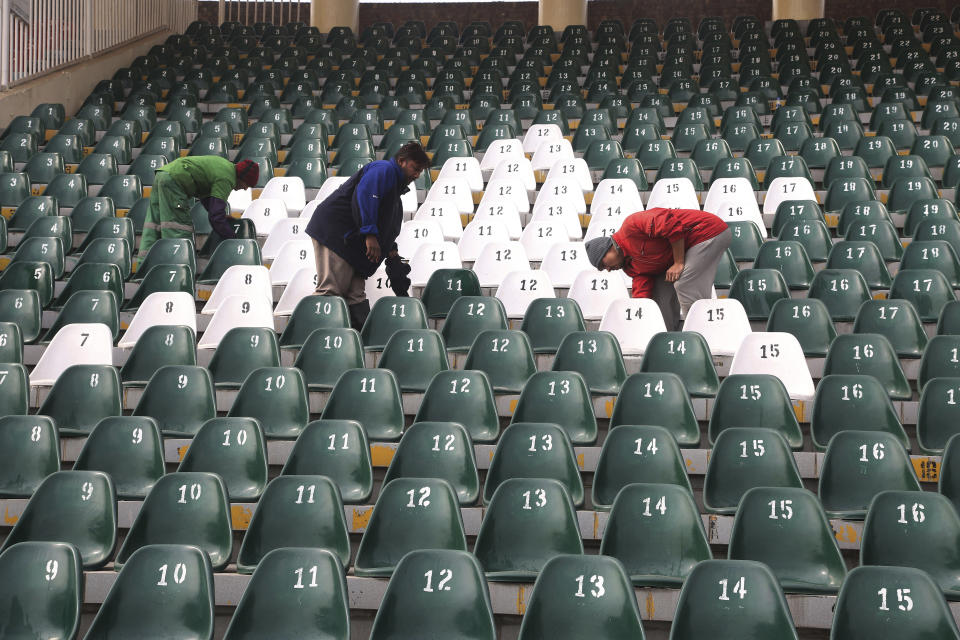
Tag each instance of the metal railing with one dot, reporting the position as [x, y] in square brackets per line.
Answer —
[40, 36]
[274, 11]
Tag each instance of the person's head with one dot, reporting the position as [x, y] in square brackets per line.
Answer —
[604, 254]
[248, 174]
[413, 160]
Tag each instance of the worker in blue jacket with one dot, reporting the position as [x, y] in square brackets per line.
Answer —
[356, 228]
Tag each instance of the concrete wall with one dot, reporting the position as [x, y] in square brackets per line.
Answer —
[72, 84]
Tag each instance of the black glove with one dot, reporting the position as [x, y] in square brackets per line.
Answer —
[398, 272]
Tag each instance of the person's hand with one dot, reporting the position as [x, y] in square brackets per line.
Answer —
[673, 273]
[373, 249]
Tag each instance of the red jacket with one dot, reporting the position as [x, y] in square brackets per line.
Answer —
[645, 236]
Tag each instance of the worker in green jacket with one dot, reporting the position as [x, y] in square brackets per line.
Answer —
[210, 179]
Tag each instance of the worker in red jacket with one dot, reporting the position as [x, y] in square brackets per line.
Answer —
[671, 254]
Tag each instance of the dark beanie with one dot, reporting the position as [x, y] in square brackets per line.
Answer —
[248, 172]
[597, 248]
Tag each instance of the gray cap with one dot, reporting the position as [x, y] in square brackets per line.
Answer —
[597, 248]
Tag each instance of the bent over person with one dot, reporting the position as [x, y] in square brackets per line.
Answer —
[671, 254]
[356, 228]
[208, 178]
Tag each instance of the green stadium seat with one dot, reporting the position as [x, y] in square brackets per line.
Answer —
[868, 354]
[898, 321]
[326, 354]
[767, 517]
[741, 597]
[917, 606]
[90, 307]
[863, 257]
[410, 514]
[277, 398]
[164, 588]
[637, 453]
[916, 529]
[758, 290]
[240, 352]
[594, 355]
[860, 464]
[841, 290]
[548, 320]
[379, 411]
[347, 463]
[127, 448]
[416, 605]
[603, 599]
[30, 450]
[561, 398]
[388, 315]
[180, 398]
[505, 356]
[311, 313]
[528, 521]
[183, 508]
[89, 524]
[928, 290]
[744, 458]
[82, 396]
[46, 603]
[234, 449]
[685, 354]
[743, 398]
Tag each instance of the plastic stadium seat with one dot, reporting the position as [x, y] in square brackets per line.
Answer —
[76, 343]
[743, 398]
[561, 398]
[311, 313]
[30, 452]
[927, 289]
[658, 398]
[41, 604]
[265, 213]
[913, 529]
[935, 412]
[390, 314]
[11, 343]
[82, 396]
[862, 256]
[183, 508]
[249, 310]
[849, 401]
[277, 398]
[180, 398]
[445, 213]
[410, 514]
[415, 603]
[438, 450]
[505, 356]
[594, 355]
[14, 389]
[347, 463]
[234, 449]
[790, 259]
[538, 134]
[673, 193]
[464, 397]
[868, 354]
[841, 290]
[746, 240]
[603, 600]
[467, 317]
[787, 188]
[633, 321]
[281, 520]
[769, 516]
[891, 600]
[744, 458]
[662, 512]
[898, 321]
[273, 604]
[685, 354]
[534, 450]
[227, 254]
[45, 250]
[414, 356]
[379, 412]
[741, 597]
[637, 453]
[289, 190]
[89, 524]
[164, 588]
[326, 354]
[129, 449]
[860, 464]
[167, 251]
[807, 320]
[723, 323]
[158, 346]
[528, 521]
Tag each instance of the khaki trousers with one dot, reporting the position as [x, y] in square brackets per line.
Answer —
[335, 276]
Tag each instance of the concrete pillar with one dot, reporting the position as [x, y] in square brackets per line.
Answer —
[326, 14]
[797, 9]
[560, 13]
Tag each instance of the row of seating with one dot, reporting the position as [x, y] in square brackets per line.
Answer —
[433, 591]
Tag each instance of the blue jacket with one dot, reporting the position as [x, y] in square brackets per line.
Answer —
[367, 203]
